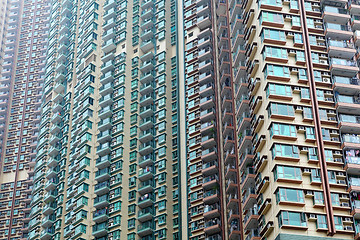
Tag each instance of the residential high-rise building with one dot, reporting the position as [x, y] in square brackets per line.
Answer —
[107, 154]
[200, 120]
[23, 40]
[271, 123]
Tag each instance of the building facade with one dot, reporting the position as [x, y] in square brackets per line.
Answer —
[23, 40]
[199, 119]
[107, 153]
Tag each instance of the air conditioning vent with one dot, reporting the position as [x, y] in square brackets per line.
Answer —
[341, 182]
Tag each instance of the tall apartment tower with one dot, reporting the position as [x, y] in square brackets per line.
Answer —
[107, 153]
[200, 120]
[23, 40]
[272, 120]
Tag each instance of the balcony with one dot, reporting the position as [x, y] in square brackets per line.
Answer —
[100, 215]
[47, 233]
[146, 99]
[210, 168]
[251, 219]
[101, 188]
[343, 67]
[145, 214]
[146, 46]
[211, 196]
[100, 230]
[48, 221]
[146, 160]
[102, 175]
[209, 154]
[207, 115]
[210, 182]
[105, 124]
[338, 31]
[146, 187]
[334, 14]
[211, 211]
[146, 173]
[103, 149]
[341, 49]
[145, 228]
[348, 104]
[146, 148]
[212, 226]
[146, 200]
[203, 22]
[105, 112]
[101, 201]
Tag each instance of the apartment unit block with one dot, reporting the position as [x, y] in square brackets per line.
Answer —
[200, 120]
[23, 41]
[107, 153]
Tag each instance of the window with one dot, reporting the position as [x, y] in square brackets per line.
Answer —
[277, 89]
[281, 109]
[273, 35]
[162, 219]
[338, 223]
[276, 71]
[131, 223]
[283, 150]
[335, 199]
[283, 130]
[271, 17]
[274, 52]
[313, 154]
[288, 218]
[290, 195]
[318, 198]
[315, 175]
[309, 133]
[287, 172]
[305, 93]
[321, 221]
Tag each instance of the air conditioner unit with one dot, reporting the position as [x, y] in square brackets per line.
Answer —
[304, 149]
[348, 228]
[312, 216]
[307, 170]
[309, 193]
[345, 204]
[298, 108]
[318, 21]
[301, 128]
[328, 92]
[323, 61]
[344, 196]
[340, 174]
[340, 182]
[290, 33]
[316, 5]
[292, 51]
[296, 88]
[337, 152]
[347, 219]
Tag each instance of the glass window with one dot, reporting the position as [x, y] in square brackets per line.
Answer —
[292, 219]
[287, 172]
[338, 223]
[283, 150]
[281, 109]
[276, 71]
[321, 221]
[318, 198]
[282, 129]
[277, 89]
[271, 17]
[310, 133]
[335, 199]
[275, 52]
[290, 195]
